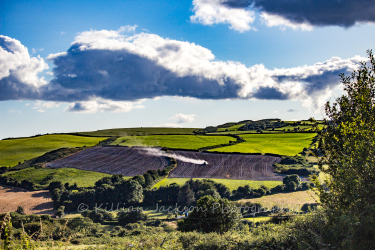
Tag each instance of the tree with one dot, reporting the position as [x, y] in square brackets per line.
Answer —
[348, 144]
[185, 195]
[211, 215]
[129, 191]
[292, 178]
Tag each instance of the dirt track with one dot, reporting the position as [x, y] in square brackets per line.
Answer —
[34, 202]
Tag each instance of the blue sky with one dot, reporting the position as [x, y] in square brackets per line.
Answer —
[173, 63]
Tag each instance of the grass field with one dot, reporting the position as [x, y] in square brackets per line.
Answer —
[140, 131]
[231, 184]
[173, 141]
[43, 176]
[13, 151]
[290, 200]
[283, 144]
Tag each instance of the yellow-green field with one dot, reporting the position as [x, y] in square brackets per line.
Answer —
[43, 176]
[283, 144]
[13, 151]
[173, 141]
[258, 219]
[231, 184]
[290, 200]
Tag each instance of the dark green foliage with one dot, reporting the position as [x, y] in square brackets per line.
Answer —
[132, 216]
[309, 207]
[27, 185]
[20, 210]
[33, 229]
[98, 215]
[60, 211]
[104, 180]
[210, 129]
[295, 165]
[211, 215]
[140, 179]
[348, 143]
[185, 196]
[292, 178]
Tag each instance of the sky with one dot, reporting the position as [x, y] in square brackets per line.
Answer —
[68, 66]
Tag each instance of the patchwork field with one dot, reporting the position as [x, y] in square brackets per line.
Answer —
[34, 202]
[231, 184]
[173, 141]
[283, 144]
[140, 131]
[112, 160]
[44, 176]
[13, 151]
[226, 166]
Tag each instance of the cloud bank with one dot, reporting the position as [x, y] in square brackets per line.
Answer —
[284, 13]
[114, 71]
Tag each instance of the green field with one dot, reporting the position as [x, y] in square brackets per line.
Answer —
[283, 144]
[173, 141]
[13, 151]
[140, 131]
[231, 184]
[43, 176]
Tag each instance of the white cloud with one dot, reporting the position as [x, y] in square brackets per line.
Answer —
[36, 50]
[17, 67]
[182, 118]
[169, 125]
[101, 105]
[41, 105]
[209, 12]
[127, 28]
[275, 20]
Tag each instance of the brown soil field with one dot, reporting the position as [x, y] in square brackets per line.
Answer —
[227, 166]
[112, 160]
[34, 202]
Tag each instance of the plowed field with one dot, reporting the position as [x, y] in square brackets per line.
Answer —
[227, 166]
[112, 160]
[135, 161]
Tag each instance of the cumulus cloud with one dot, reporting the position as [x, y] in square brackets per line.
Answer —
[288, 13]
[182, 118]
[18, 71]
[112, 71]
[209, 12]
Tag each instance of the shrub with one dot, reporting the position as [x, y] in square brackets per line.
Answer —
[20, 210]
[211, 215]
[132, 216]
